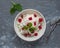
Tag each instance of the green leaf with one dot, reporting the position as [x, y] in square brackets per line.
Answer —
[18, 7]
[12, 10]
[32, 29]
[15, 7]
[29, 24]
[25, 27]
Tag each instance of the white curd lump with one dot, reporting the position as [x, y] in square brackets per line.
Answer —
[29, 25]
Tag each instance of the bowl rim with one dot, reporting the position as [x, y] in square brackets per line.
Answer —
[22, 12]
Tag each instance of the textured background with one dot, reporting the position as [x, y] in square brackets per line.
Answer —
[8, 38]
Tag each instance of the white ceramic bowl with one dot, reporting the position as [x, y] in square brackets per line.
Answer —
[41, 32]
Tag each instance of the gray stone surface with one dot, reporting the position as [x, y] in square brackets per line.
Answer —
[8, 38]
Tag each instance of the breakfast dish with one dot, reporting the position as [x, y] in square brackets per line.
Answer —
[29, 25]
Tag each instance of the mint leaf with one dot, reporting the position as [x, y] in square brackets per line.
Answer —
[12, 10]
[32, 29]
[18, 7]
[29, 24]
[15, 7]
[25, 27]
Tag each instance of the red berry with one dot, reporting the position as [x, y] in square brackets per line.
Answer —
[25, 34]
[40, 19]
[35, 15]
[28, 34]
[35, 34]
[19, 20]
[40, 27]
[30, 18]
[34, 23]
[21, 16]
